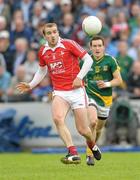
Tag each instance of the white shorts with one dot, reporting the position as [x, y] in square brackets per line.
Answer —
[76, 98]
[101, 111]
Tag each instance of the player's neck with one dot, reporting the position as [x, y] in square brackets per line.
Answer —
[52, 45]
[98, 58]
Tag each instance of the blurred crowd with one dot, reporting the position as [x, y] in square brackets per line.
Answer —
[20, 38]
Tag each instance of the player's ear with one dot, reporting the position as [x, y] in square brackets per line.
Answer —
[43, 33]
[90, 47]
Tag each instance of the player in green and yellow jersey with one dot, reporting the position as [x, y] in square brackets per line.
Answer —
[103, 75]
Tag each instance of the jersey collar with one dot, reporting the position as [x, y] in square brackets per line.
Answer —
[98, 60]
[58, 45]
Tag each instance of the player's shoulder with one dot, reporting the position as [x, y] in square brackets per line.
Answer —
[67, 41]
[42, 49]
[110, 57]
[71, 44]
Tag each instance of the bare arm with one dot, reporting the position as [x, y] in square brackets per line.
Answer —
[116, 81]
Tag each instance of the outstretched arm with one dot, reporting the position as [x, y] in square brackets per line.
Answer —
[39, 75]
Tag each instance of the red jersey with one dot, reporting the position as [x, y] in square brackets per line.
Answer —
[62, 62]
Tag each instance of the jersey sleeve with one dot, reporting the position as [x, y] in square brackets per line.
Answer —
[114, 65]
[40, 56]
[76, 49]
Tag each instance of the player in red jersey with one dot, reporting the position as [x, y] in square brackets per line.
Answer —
[60, 58]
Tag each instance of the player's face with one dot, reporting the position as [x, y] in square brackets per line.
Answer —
[51, 35]
[97, 48]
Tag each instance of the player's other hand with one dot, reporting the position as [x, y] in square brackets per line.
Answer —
[23, 87]
[77, 83]
[102, 84]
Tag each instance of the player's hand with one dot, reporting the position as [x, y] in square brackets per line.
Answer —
[23, 87]
[101, 84]
[77, 83]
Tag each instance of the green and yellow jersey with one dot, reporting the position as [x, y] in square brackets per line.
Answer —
[101, 69]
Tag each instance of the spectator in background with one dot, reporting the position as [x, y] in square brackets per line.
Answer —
[77, 5]
[5, 79]
[116, 8]
[65, 7]
[104, 5]
[61, 7]
[6, 51]
[17, 14]
[13, 94]
[67, 27]
[37, 38]
[2, 61]
[20, 31]
[47, 4]
[54, 14]
[133, 83]
[133, 49]
[39, 14]
[26, 7]
[133, 20]
[124, 60]
[31, 64]
[5, 11]
[3, 23]
[91, 7]
[20, 54]
[110, 46]
[119, 26]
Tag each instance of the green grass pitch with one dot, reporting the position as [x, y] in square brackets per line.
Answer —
[26, 166]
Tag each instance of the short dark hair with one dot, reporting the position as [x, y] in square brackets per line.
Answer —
[48, 25]
[94, 38]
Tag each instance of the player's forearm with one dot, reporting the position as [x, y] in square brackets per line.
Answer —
[86, 66]
[116, 82]
[39, 75]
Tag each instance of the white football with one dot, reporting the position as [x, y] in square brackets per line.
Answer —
[91, 25]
